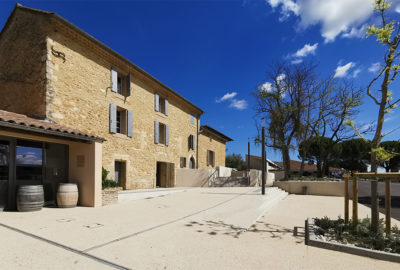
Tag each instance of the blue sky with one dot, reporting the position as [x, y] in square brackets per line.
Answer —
[207, 49]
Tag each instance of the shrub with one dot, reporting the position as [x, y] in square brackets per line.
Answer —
[107, 183]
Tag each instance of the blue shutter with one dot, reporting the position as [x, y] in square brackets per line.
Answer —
[113, 118]
[166, 135]
[130, 124]
[166, 106]
[156, 133]
[156, 102]
[128, 85]
[114, 80]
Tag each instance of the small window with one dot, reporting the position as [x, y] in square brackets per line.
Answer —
[120, 85]
[160, 104]
[161, 131]
[183, 162]
[119, 175]
[192, 119]
[191, 163]
[121, 121]
[191, 142]
[210, 158]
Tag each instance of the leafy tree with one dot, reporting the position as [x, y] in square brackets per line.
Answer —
[235, 161]
[393, 164]
[354, 154]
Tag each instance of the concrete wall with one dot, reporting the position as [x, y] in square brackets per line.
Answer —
[211, 142]
[88, 176]
[224, 171]
[322, 188]
[256, 178]
[193, 178]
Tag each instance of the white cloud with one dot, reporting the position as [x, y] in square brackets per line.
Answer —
[356, 72]
[297, 61]
[341, 71]
[239, 104]
[335, 16]
[397, 9]
[226, 97]
[280, 78]
[267, 87]
[355, 32]
[374, 67]
[306, 50]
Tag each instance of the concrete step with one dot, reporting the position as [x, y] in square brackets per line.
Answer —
[230, 182]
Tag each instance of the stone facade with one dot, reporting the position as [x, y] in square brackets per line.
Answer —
[69, 84]
[208, 141]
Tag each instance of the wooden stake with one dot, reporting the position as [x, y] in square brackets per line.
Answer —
[355, 199]
[346, 198]
[388, 206]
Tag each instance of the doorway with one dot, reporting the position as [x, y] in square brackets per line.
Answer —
[165, 175]
[4, 172]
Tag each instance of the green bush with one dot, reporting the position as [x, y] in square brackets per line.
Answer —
[107, 183]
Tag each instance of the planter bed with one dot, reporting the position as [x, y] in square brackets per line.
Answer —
[314, 238]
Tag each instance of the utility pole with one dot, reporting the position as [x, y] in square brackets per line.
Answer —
[248, 154]
[263, 155]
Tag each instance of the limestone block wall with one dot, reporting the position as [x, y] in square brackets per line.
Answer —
[22, 64]
[79, 96]
[211, 142]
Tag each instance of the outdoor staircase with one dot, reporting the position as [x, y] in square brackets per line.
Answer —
[232, 181]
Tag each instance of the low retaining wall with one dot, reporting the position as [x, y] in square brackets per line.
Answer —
[193, 178]
[224, 171]
[256, 178]
[110, 195]
[322, 188]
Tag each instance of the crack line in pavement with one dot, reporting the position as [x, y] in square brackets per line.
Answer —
[164, 224]
[82, 253]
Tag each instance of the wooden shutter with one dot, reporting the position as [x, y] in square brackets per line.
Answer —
[156, 132]
[166, 135]
[208, 157]
[129, 125]
[193, 142]
[113, 118]
[166, 106]
[128, 85]
[156, 102]
[114, 79]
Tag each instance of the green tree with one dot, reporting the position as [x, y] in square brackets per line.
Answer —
[235, 161]
[393, 164]
[354, 154]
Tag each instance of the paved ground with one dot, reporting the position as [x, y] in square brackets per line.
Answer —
[186, 230]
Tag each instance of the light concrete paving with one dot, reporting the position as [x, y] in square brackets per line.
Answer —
[185, 230]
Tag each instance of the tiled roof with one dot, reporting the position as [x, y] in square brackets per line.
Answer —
[23, 122]
[215, 132]
[295, 166]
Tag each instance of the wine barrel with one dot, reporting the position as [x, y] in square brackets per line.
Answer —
[67, 195]
[30, 198]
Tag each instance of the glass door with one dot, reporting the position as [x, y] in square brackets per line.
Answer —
[4, 172]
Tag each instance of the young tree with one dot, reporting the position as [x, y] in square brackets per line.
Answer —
[393, 164]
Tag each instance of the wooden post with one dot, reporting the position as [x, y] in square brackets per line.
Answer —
[346, 198]
[374, 205]
[388, 206]
[355, 199]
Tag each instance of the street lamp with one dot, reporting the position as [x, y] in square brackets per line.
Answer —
[263, 155]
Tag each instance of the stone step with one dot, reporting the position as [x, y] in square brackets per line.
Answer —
[230, 182]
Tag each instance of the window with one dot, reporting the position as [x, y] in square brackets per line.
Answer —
[120, 83]
[191, 142]
[119, 175]
[191, 163]
[29, 160]
[161, 133]
[160, 104]
[183, 162]
[210, 158]
[192, 119]
[121, 120]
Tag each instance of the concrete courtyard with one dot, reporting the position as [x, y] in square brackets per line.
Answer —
[202, 228]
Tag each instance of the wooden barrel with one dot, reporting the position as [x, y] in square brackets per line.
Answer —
[30, 198]
[67, 195]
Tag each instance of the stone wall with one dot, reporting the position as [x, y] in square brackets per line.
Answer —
[22, 64]
[321, 188]
[110, 196]
[194, 178]
[211, 142]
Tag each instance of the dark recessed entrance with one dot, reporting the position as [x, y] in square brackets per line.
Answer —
[165, 174]
[28, 162]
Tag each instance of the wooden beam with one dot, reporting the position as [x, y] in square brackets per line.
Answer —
[388, 206]
[346, 198]
[381, 176]
[355, 199]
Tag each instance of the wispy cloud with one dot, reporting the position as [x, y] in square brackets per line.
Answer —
[336, 17]
[227, 96]
[341, 71]
[296, 61]
[306, 50]
[355, 32]
[374, 67]
[267, 87]
[356, 72]
[239, 104]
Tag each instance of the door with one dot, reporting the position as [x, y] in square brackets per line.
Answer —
[4, 172]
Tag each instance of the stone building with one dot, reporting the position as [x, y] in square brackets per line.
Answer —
[53, 71]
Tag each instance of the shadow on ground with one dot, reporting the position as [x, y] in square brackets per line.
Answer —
[264, 229]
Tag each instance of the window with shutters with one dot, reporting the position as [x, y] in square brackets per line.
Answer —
[210, 158]
[161, 133]
[192, 119]
[121, 120]
[191, 142]
[120, 82]
[183, 162]
[160, 104]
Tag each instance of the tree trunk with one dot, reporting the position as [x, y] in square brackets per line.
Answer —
[302, 167]
[286, 162]
[319, 169]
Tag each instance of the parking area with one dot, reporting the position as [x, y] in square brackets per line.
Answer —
[207, 228]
